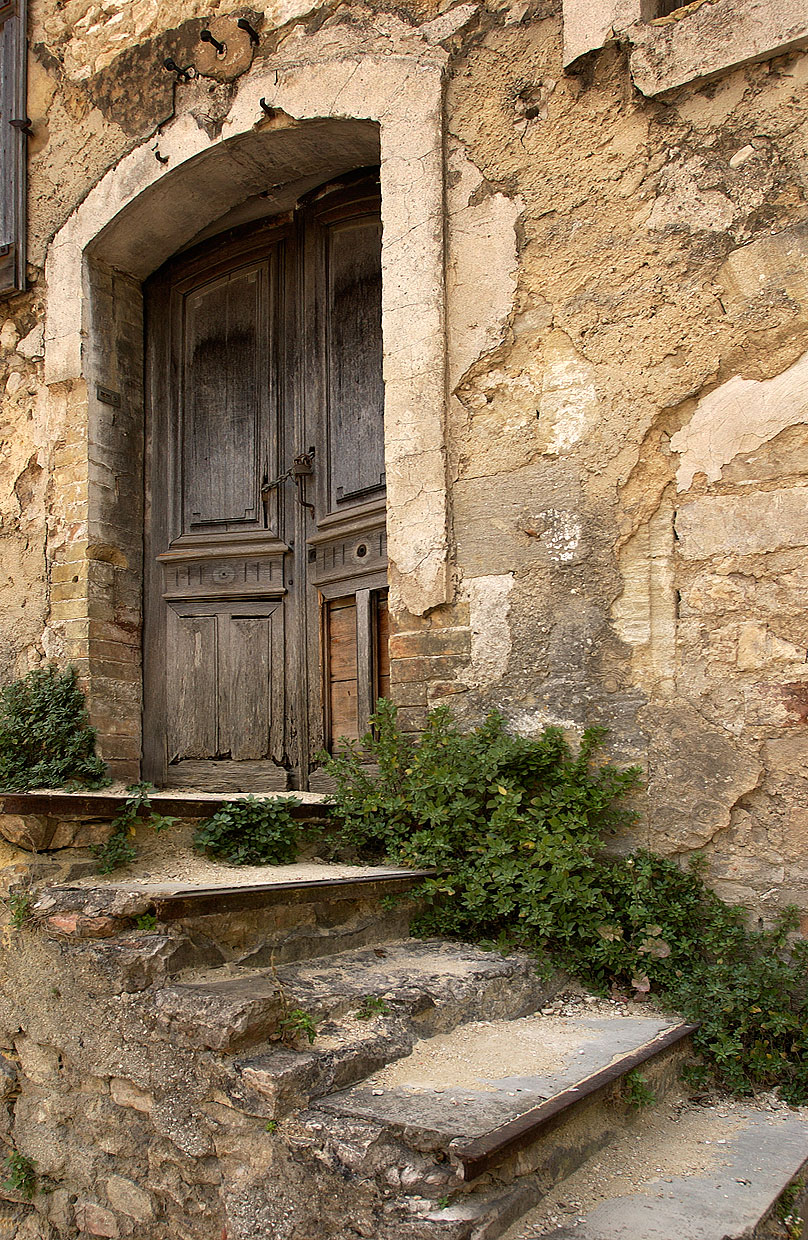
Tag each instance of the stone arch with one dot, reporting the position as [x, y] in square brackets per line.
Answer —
[326, 119]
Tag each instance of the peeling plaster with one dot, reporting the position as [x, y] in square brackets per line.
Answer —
[482, 266]
[568, 405]
[489, 608]
[739, 416]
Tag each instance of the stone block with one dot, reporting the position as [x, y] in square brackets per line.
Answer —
[127, 1198]
[79, 926]
[38, 1063]
[127, 1094]
[426, 669]
[75, 833]
[409, 693]
[743, 524]
[429, 643]
[95, 1220]
[29, 831]
[699, 44]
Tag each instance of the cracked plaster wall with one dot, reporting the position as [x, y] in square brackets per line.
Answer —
[626, 442]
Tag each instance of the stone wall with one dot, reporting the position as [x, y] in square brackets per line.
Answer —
[625, 455]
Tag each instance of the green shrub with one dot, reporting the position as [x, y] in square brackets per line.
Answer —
[45, 738]
[516, 827]
[252, 831]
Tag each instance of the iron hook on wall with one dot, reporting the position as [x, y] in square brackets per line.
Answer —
[183, 75]
[243, 24]
[207, 37]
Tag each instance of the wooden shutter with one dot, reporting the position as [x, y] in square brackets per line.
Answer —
[12, 145]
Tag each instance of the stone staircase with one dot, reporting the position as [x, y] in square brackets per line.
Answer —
[449, 1093]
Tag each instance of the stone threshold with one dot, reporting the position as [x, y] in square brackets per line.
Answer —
[101, 804]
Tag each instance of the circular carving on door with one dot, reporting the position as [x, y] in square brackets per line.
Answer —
[361, 550]
[223, 575]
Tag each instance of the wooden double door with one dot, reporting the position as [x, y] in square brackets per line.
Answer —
[265, 635]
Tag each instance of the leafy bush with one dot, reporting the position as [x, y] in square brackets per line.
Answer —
[45, 738]
[515, 828]
[251, 831]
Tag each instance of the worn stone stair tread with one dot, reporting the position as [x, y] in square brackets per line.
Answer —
[172, 901]
[681, 1174]
[347, 1051]
[481, 1076]
[437, 985]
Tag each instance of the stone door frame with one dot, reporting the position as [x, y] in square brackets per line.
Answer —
[327, 118]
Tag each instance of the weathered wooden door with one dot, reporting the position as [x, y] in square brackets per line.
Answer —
[264, 634]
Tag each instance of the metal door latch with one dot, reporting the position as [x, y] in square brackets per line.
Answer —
[302, 467]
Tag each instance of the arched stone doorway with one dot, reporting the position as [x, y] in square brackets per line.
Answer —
[145, 210]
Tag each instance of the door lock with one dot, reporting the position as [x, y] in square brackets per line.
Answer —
[302, 467]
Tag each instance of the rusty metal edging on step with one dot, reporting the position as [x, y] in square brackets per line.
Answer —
[211, 900]
[481, 1154]
[110, 803]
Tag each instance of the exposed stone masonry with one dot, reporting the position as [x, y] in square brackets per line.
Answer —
[624, 457]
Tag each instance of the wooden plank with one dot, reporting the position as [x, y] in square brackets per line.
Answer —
[250, 658]
[355, 386]
[109, 804]
[225, 775]
[342, 640]
[382, 647]
[343, 711]
[220, 423]
[365, 661]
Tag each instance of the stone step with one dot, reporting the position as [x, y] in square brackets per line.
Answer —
[732, 1170]
[44, 820]
[492, 1106]
[431, 985]
[252, 923]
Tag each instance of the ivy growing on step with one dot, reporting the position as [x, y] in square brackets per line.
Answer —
[516, 828]
[45, 737]
[252, 831]
[120, 848]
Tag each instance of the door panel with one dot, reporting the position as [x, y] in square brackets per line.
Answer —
[193, 684]
[354, 358]
[224, 337]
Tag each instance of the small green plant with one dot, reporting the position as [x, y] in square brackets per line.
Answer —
[146, 921]
[45, 738]
[252, 831]
[787, 1213]
[295, 1025]
[372, 1006]
[443, 1201]
[695, 1075]
[636, 1091]
[271, 1125]
[20, 1175]
[19, 905]
[515, 829]
[120, 849]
